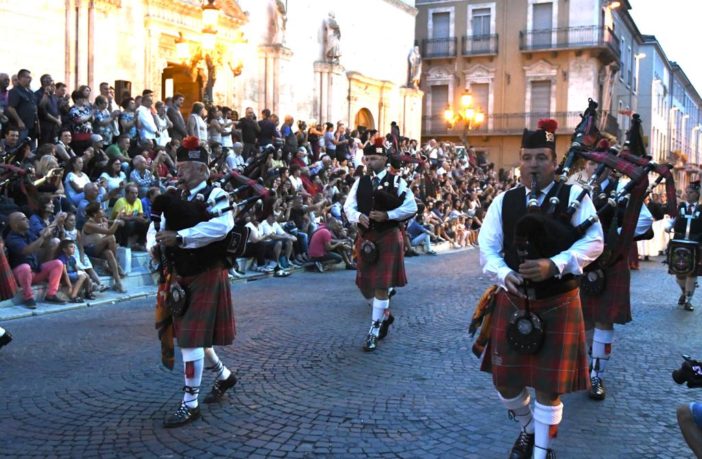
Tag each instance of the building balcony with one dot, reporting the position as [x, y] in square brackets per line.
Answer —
[509, 124]
[433, 48]
[479, 45]
[570, 38]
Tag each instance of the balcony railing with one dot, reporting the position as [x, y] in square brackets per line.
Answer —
[438, 47]
[474, 45]
[569, 38]
[509, 124]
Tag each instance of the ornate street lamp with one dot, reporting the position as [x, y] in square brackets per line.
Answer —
[210, 15]
[471, 117]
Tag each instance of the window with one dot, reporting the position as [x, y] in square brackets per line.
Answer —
[441, 25]
[540, 101]
[542, 25]
[481, 94]
[480, 25]
[439, 101]
[623, 62]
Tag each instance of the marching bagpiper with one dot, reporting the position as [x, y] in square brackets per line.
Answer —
[378, 202]
[684, 248]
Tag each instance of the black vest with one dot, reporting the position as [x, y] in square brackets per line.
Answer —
[607, 216]
[513, 208]
[383, 198]
[188, 262]
[695, 224]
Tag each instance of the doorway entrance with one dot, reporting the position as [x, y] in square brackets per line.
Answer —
[178, 79]
[364, 117]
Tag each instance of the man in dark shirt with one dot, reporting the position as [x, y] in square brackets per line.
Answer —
[267, 129]
[249, 131]
[178, 131]
[22, 106]
[22, 247]
[48, 110]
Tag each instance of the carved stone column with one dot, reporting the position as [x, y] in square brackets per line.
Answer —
[272, 60]
[410, 121]
[331, 85]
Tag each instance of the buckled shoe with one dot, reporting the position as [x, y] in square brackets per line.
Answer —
[182, 416]
[523, 447]
[597, 391]
[219, 388]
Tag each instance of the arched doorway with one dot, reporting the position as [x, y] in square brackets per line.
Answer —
[178, 79]
[364, 117]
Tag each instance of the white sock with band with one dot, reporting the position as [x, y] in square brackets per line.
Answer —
[601, 350]
[546, 420]
[520, 408]
[215, 365]
[379, 307]
[193, 360]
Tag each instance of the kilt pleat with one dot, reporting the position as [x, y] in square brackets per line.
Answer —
[209, 319]
[560, 366]
[613, 305]
[8, 284]
[389, 270]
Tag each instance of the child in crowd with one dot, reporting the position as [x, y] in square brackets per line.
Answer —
[76, 280]
[82, 261]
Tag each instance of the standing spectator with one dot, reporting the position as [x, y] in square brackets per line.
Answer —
[178, 129]
[104, 123]
[22, 106]
[127, 120]
[329, 145]
[214, 125]
[145, 118]
[4, 92]
[341, 141]
[22, 247]
[197, 127]
[315, 136]
[267, 129]
[289, 137]
[227, 123]
[163, 125]
[249, 132]
[108, 92]
[48, 111]
[81, 116]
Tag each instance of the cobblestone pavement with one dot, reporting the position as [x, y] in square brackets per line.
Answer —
[88, 382]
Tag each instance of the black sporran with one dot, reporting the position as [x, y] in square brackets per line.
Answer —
[177, 299]
[593, 282]
[369, 252]
[525, 333]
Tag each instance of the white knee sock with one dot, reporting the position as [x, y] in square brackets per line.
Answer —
[2, 331]
[601, 350]
[379, 307]
[546, 420]
[193, 360]
[215, 365]
[520, 409]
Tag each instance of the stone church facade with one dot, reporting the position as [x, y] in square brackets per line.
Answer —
[132, 45]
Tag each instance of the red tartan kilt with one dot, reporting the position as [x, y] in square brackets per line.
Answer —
[389, 270]
[560, 366]
[209, 318]
[8, 284]
[613, 305]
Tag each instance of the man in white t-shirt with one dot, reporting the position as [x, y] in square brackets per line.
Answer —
[275, 237]
[234, 160]
[145, 118]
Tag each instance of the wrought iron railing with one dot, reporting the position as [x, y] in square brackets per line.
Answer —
[479, 44]
[569, 38]
[439, 47]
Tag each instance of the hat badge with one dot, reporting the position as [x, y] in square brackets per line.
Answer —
[550, 136]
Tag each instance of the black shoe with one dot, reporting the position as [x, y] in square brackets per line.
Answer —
[523, 447]
[5, 338]
[53, 299]
[597, 391]
[30, 303]
[371, 343]
[681, 300]
[688, 306]
[385, 325]
[219, 388]
[182, 416]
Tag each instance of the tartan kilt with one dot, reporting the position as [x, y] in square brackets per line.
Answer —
[8, 284]
[560, 366]
[613, 305]
[389, 270]
[209, 318]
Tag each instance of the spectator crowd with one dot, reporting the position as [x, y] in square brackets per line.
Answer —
[80, 171]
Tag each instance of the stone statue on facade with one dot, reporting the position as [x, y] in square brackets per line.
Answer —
[278, 22]
[332, 33]
[415, 68]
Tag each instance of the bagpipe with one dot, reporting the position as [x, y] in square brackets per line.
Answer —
[182, 213]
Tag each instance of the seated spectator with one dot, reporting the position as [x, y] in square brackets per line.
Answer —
[326, 248]
[419, 234]
[22, 248]
[129, 210]
[75, 279]
[94, 192]
[99, 242]
[63, 146]
[234, 160]
[43, 219]
[10, 143]
[277, 241]
[115, 180]
[255, 248]
[147, 200]
[119, 149]
[75, 180]
[142, 176]
[70, 231]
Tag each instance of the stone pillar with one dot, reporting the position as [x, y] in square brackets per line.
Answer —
[273, 60]
[410, 121]
[330, 86]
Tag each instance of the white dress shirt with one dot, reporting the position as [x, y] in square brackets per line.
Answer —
[203, 233]
[645, 220]
[147, 125]
[571, 261]
[404, 212]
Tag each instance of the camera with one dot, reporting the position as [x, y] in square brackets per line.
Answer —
[690, 372]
